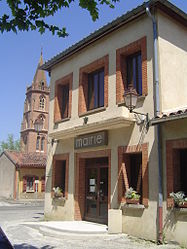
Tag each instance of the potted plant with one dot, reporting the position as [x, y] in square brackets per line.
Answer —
[58, 197]
[132, 197]
[58, 192]
[179, 199]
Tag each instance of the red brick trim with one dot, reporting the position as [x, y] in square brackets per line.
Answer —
[83, 82]
[121, 54]
[125, 151]
[80, 179]
[63, 157]
[171, 164]
[68, 79]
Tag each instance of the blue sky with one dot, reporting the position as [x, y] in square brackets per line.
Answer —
[19, 55]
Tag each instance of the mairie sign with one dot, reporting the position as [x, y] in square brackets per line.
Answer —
[91, 140]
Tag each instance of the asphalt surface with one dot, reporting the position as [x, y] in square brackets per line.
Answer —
[14, 219]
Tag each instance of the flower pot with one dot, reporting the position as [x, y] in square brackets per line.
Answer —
[132, 201]
[58, 195]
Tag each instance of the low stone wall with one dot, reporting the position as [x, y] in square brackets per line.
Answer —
[26, 195]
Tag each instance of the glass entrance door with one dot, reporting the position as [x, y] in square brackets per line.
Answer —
[97, 193]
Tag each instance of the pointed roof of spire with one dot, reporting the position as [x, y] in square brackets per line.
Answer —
[40, 74]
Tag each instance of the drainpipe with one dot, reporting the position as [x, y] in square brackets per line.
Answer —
[158, 127]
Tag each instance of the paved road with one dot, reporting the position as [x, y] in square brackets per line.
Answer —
[13, 218]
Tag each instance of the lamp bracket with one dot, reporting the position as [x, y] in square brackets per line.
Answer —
[146, 115]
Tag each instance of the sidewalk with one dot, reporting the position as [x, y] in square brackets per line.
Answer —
[69, 228]
[79, 232]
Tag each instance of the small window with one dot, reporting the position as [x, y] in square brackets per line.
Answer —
[42, 85]
[42, 143]
[134, 72]
[38, 143]
[64, 100]
[95, 89]
[60, 175]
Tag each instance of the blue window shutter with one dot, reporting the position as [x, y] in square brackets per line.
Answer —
[101, 88]
[134, 71]
[96, 90]
[140, 74]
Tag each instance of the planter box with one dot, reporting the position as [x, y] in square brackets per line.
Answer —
[58, 201]
[132, 201]
[184, 205]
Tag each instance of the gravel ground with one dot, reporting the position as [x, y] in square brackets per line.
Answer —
[14, 219]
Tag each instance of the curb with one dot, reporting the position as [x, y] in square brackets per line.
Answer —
[55, 232]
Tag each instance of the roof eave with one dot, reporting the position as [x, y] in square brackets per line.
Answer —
[156, 121]
[114, 25]
[89, 40]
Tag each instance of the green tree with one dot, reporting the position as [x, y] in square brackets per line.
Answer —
[31, 14]
[10, 144]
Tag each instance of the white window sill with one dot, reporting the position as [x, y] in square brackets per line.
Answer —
[29, 191]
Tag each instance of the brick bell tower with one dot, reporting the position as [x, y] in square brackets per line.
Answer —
[34, 127]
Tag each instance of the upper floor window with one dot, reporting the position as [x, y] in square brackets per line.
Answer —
[134, 72]
[42, 103]
[131, 68]
[93, 85]
[95, 89]
[64, 100]
[63, 95]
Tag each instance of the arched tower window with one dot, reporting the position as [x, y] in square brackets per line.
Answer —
[41, 85]
[42, 143]
[39, 123]
[42, 103]
[37, 142]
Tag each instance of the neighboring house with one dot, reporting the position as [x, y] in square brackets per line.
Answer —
[24, 174]
[98, 148]
[25, 170]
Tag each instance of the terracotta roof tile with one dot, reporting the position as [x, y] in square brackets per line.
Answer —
[14, 156]
[169, 116]
[33, 159]
[20, 159]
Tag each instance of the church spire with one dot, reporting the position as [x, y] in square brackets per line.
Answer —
[40, 74]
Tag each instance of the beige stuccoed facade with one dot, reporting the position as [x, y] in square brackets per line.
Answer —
[126, 138]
